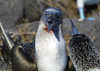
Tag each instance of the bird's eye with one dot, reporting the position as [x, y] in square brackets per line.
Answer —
[46, 14]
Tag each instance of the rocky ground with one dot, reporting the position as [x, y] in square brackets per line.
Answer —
[21, 17]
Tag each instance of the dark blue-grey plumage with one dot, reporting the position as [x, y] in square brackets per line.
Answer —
[83, 53]
[74, 30]
[21, 55]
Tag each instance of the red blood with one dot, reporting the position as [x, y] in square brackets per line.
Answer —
[46, 29]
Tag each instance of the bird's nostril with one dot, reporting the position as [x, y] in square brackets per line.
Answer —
[50, 21]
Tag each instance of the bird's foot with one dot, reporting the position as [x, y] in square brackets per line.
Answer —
[89, 19]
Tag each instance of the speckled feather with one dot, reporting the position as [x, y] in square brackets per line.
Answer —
[83, 53]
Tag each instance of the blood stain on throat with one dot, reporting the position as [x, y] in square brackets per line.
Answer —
[46, 29]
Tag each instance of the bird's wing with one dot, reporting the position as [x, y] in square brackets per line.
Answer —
[74, 29]
[8, 44]
[29, 49]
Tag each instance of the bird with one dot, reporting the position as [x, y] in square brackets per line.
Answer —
[82, 51]
[20, 55]
[49, 43]
[80, 6]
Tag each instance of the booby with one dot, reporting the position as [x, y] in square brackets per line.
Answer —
[21, 55]
[49, 43]
[83, 52]
[81, 4]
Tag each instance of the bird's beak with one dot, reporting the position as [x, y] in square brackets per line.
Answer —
[49, 27]
[50, 24]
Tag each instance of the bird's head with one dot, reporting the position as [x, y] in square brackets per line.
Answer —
[52, 17]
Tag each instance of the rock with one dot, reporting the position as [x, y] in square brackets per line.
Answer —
[68, 7]
[11, 11]
[31, 10]
[34, 8]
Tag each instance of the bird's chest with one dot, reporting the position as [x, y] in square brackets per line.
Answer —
[50, 52]
[47, 44]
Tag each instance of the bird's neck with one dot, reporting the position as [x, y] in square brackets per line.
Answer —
[44, 28]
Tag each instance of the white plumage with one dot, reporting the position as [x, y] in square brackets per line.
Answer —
[51, 53]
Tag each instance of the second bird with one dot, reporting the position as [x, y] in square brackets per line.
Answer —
[83, 52]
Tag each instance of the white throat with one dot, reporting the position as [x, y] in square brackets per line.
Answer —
[51, 53]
